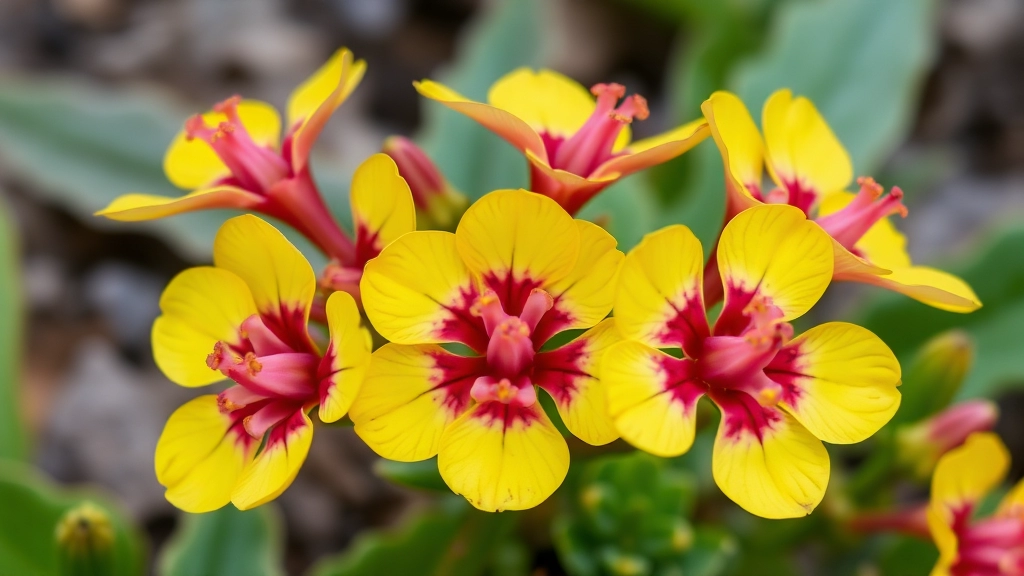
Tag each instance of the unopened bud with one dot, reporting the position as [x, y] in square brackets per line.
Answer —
[438, 205]
[338, 278]
[934, 376]
[922, 444]
[85, 540]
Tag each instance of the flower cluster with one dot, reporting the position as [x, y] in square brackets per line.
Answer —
[476, 330]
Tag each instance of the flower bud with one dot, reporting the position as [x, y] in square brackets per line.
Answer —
[934, 376]
[921, 445]
[438, 205]
[85, 540]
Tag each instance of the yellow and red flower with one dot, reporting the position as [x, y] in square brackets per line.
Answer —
[780, 396]
[576, 146]
[245, 319]
[517, 271]
[811, 171]
[230, 158]
[971, 546]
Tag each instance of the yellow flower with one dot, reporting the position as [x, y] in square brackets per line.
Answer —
[229, 157]
[970, 546]
[779, 396]
[811, 170]
[575, 146]
[245, 319]
[517, 271]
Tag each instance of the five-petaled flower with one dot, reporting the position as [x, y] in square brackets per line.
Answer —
[245, 319]
[230, 158]
[575, 146]
[779, 396]
[971, 546]
[517, 271]
[811, 170]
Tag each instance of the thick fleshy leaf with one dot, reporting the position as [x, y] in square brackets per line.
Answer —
[545, 100]
[740, 145]
[344, 365]
[766, 461]
[839, 380]
[227, 542]
[316, 99]
[382, 206]
[773, 251]
[192, 163]
[652, 397]
[800, 149]
[200, 307]
[280, 278]
[411, 393]
[201, 455]
[586, 295]
[655, 150]
[274, 468]
[660, 300]
[515, 237]
[514, 130]
[502, 457]
[571, 374]
[137, 207]
[419, 291]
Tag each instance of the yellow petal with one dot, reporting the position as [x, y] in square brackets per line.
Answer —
[347, 359]
[281, 280]
[774, 251]
[200, 456]
[514, 130]
[586, 295]
[652, 397]
[274, 468]
[739, 143]
[546, 100]
[382, 206]
[882, 245]
[518, 232]
[199, 307]
[418, 291]
[945, 540]
[933, 287]
[772, 466]
[138, 207]
[655, 150]
[967, 473]
[800, 146]
[660, 300]
[410, 395]
[503, 458]
[571, 191]
[1013, 503]
[839, 381]
[571, 375]
[192, 164]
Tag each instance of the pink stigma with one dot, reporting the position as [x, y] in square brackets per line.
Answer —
[592, 144]
[849, 225]
[256, 168]
[510, 350]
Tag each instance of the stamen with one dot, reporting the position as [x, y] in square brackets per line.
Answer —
[517, 392]
[537, 305]
[592, 144]
[257, 168]
[252, 364]
[215, 358]
[510, 349]
[737, 362]
[848, 226]
[488, 307]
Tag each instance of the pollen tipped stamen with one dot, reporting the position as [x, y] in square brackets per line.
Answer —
[593, 143]
[848, 226]
[488, 307]
[738, 362]
[516, 392]
[537, 305]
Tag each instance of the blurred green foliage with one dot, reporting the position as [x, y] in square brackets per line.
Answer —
[227, 542]
[30, 509]
[12, 437]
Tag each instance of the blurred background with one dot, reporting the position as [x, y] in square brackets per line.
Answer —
[926, 94]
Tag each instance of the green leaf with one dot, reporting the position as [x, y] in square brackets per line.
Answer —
[997, 275]
[452, 539]
[423, 475]
[12, 435]
[861, 62]
[30, 509]
[227, 542]
[508, 35]
[82, 145]
[627, 209]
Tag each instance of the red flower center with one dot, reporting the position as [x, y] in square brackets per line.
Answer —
[593, 143]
